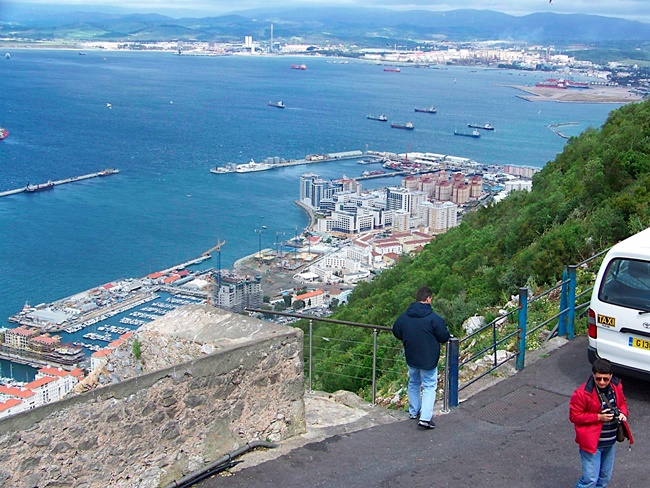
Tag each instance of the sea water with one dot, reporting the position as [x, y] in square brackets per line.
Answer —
[165, 120]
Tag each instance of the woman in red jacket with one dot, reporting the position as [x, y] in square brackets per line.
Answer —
[595, 409]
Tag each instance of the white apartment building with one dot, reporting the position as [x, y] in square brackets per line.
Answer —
[513, 185]
[439, 217]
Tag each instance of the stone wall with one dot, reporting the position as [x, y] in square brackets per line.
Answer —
[149, 429]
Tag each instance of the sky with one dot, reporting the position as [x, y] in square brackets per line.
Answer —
[628, 9]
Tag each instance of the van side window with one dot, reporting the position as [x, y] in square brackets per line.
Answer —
[626, 283]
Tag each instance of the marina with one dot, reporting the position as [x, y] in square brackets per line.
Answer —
[29, 188]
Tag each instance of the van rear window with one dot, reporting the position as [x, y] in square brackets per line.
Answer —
[626, 283]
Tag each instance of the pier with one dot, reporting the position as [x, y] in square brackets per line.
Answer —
[51, 184]
[283, 163]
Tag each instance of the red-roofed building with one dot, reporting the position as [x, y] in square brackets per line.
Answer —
[99, 358]
[312, 299]
[171, 279]
[45, 343]
[47, 389]
[108, 286]
[155, 276]
[10, 407]
[7, 392]
[67, 380]
[20, 336]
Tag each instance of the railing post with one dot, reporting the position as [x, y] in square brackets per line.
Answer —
[451, 374]
[311, 339]
[571, 314]
[374, 365]
[521, 336]
[562, 319]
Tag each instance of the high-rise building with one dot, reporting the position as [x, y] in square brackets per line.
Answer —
[237, 293]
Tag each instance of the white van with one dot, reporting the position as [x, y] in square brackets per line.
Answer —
[619, 313]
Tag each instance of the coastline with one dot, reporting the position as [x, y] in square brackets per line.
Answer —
[310, 212]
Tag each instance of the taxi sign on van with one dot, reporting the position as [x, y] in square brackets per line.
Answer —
[606, 321]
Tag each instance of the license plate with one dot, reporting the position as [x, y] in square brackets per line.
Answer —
[640, 343]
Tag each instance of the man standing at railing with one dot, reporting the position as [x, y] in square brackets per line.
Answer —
[422, 331]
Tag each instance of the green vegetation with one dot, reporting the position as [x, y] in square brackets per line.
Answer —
[137, 348]
[595, 193]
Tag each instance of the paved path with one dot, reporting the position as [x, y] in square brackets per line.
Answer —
[515, 433]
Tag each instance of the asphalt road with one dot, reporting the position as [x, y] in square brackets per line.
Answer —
[515, 433]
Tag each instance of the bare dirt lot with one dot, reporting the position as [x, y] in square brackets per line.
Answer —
[594, 94]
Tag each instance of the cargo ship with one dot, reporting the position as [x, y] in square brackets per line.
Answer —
[279, 104]
[3, 133]
[582, 85]
[430, 110]
[407, 126]
[299, 66]
[41, 187]
[393, 70]
[551, 83]
[474, 133]
[484, 127]
[381, 118]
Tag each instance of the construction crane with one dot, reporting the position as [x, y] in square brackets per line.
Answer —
[218, 249]
[211, 289]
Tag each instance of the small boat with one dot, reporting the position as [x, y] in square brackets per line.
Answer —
[474, 133]
[381, 118]
[299, 66]
[278, 104]
[407, 126]
[3, 133]
[430, 110]
[484, 127]
[392, 70]
[7, 56]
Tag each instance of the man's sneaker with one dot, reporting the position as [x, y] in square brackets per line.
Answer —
[427, 424]
[413, 417]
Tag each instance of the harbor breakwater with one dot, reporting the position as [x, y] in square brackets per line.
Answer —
[29, 188]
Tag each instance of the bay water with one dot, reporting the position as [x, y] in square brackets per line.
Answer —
[165, 120]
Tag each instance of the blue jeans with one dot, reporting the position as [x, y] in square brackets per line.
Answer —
[597, 468]
[427, 381]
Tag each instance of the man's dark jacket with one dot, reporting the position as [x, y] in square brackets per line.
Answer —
[421, 330]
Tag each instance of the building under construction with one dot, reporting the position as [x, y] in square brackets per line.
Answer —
[235, 293]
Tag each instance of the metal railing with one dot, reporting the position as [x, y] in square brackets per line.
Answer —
[468, 347]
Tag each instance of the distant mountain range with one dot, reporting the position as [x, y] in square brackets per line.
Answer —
[364, 27]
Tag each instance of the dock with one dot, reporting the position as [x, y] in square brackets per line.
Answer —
[283, 163]
[51, 184]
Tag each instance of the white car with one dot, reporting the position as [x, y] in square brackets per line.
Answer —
[619, 313]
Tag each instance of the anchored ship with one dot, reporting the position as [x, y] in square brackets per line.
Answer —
[279, 104]
[407, 126]
[42, 187]
[299, 66]
[430, 110]
[3, 133]
[474, 133]
[392, 70]
[381, 118]
[484, 127]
